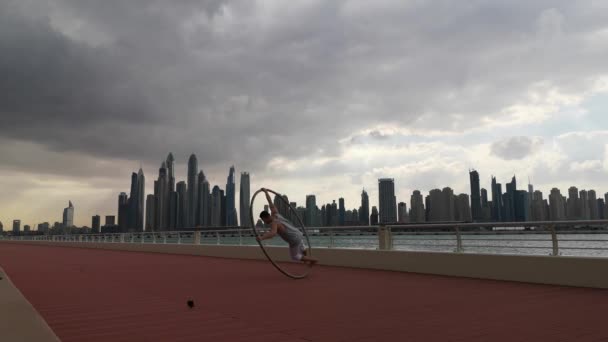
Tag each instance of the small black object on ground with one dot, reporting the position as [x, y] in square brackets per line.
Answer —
[190, 303]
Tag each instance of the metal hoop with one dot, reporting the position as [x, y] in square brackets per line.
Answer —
[255, 232]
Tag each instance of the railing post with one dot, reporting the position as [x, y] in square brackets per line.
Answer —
[240, 237]
[179, 238]
[217, 237]
[197, 237]
[554, 241]
[154, 237]
[459, 248]
[164, 237]
[385, 240]
[122, 238]
[331, 238]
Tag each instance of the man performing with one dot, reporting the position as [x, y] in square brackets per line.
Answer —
[292, 235]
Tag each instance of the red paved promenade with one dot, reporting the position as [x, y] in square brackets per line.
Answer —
[95, 295]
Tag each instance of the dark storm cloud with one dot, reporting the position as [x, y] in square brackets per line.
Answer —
[243, 81]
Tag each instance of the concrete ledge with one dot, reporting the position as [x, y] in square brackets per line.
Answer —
[568, 271]
[19, 321]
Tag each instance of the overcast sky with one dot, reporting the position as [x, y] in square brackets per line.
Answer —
[320, 97]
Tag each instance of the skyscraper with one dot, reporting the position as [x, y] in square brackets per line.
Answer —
[435, 206]
[16, 226]
[170, 166]
[556, 205]
[462, 208]
[417, 212]
[95, 224]
[593, 208]
[135, 209]
[123, 211]
[402, 212]
[364, 209]
[311, 211]
[150, 201]
[496, 201]
[68, 216]
[584, 205]
[203, 200]
[216, 207]
[192, 191]
[182, 207]
[245, 199]
[522, 206]
[341, 212]
[231, 199]
[374, 216]
[510, 199]
[573, 211]
[132, 204]
[475, 196]
[387, 200]
[162, 198]
[141, 195]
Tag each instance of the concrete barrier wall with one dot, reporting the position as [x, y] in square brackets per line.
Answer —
[19, 321]
[570, 271]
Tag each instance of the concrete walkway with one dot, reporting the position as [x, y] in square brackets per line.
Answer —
[19, 321]
[101, 295]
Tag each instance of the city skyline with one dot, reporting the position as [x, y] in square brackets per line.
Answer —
[514, 204]
[300, 95]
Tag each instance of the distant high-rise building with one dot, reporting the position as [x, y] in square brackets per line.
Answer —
[374, 216]
[593, 209]
[341, 212]
[311, 211]
[556, 205]
[522, 206]
[27, 228]
[95, 224]
[223, 215]
[584, 205]
[475, 196]
[182, 207]
[486, 208]
[192, 197]
[417, 211]
[573, 211]
[435, 205]
[1, 227]
[245, 200]
[364, 214]
[402, 216]
[162, 198]
[123, 211]
[175, 210]
[231, 216]
[135, 203]
[110, 220]
[497, 206]
[150, 202]
[204, 198]
[601, 209]
[16, 226]
[68, 216]
[462, 208]
[170, 172]
[43, 227]
[538, 207]
[387, 200]
[216, 207]
[509, 201]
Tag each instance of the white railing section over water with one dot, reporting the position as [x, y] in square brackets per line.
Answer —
[588, 238]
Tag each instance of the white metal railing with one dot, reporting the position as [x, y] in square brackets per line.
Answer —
[543, 237]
